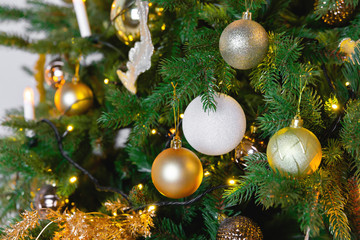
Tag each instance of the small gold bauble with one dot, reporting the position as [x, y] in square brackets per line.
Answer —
[244, 43]
[177, 172]
[239, 228]
[54, 74]
[126, 20]
[294, 150]
[73, 98]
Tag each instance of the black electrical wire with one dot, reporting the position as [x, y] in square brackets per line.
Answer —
[179, 203]
[75, 164]
[99, 187]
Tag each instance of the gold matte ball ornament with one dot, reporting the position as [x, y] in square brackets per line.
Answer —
[177, 172]
[244, 43]
[294, 150]
[239, 228]
[73, 98]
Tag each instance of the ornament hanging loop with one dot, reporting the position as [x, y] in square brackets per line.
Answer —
[76, 77]
[247, 15]
[301, 90]
[176, 114]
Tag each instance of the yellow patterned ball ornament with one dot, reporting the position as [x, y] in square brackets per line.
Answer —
[177, 172]
[74, 98]
[294, 150]
[244, 43]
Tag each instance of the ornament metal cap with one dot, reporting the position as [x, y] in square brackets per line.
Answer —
[75, 79]
[253, 129]
[176, 143]
[246, 15]
[297, 122]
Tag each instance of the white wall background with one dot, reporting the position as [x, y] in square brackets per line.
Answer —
[13, 79]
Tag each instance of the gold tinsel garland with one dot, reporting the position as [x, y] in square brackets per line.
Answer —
[76, 224]
[39, 76]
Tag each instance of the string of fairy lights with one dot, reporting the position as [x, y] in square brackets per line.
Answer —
[99, 187]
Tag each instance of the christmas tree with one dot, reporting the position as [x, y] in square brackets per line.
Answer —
[183, 119]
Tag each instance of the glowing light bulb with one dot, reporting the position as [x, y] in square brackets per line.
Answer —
[153, 131]
[182, 116]
[131, 38]
[152, 208]
[73, 179]
[172, 130]
[231, 181]
[140, 186]
[106, 81]
[334, 106]
[347, 84]
[70, 128]
[207, 173]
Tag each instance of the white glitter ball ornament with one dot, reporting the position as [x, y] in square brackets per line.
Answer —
[214, 133]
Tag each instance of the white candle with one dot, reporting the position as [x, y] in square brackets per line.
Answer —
[29, 109]
[82, 18]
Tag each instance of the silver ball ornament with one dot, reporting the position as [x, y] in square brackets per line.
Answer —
[244, 43]
[46, 197]
[54, 73]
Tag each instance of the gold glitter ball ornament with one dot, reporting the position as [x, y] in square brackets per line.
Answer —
[73, 98]
[294, 150]
[244, 43]
[177, 172]
[239, 228]
[340, 14]
[54, 74]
